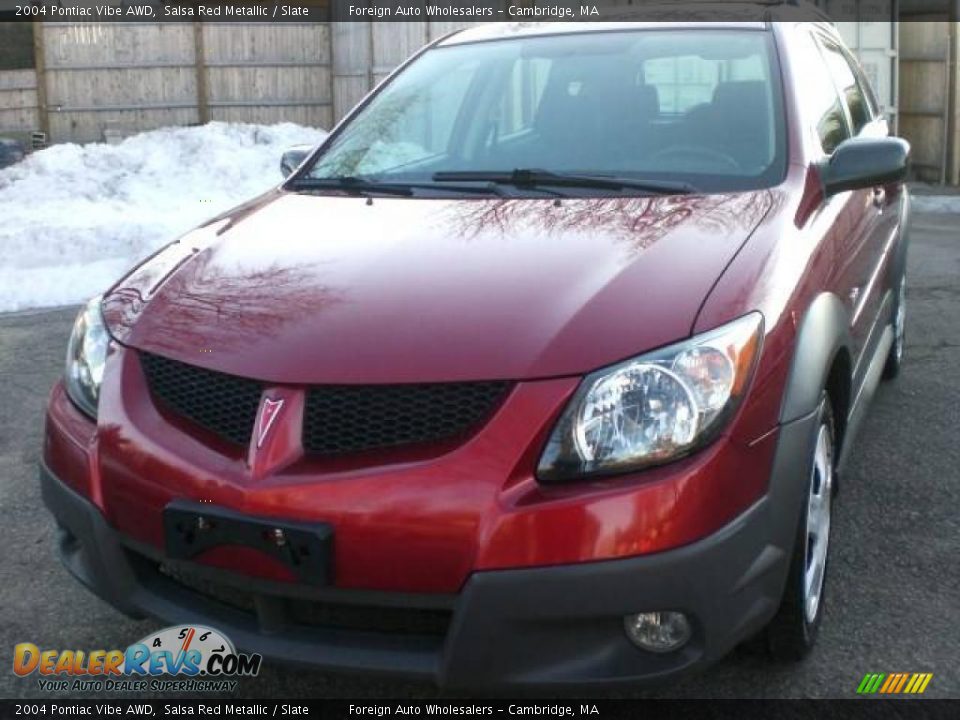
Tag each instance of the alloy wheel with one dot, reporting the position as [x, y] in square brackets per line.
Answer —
[818, 523]
[899, 322]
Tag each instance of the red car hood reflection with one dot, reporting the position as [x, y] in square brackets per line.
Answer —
[328, 289]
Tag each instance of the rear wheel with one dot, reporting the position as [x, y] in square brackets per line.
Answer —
[793, 630]
[895, 358]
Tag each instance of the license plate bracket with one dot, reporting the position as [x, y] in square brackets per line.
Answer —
[305, 548]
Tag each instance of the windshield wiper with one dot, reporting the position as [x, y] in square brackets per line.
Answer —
[352, 184]
[362, 185]
[524, 177]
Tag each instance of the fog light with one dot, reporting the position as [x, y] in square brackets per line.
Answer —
[658, 631]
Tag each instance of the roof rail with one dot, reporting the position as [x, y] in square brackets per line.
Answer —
[766, 11]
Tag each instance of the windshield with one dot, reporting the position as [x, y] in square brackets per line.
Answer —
[696, 108]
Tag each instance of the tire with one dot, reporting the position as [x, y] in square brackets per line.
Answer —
[793, 631]
[892, 367]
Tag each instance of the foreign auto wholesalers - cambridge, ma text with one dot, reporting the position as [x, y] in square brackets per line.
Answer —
[453, 709]
[513, 12]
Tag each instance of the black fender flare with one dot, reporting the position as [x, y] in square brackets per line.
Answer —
[823, 332]
[898, 264]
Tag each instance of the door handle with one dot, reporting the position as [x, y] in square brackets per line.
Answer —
[879, 197]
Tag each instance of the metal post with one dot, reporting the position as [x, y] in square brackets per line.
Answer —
[951, 73]
[371, 58]
[895, 70]
[947, 104]
[200, 62]
[331, 75]
[40, 67]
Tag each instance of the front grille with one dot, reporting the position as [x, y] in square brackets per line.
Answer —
[225, 405]
[292, 611]
[367, 618]
[344, 419]
[338, 419]
[226, 595]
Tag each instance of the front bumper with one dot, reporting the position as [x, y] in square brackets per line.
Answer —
[529, 627]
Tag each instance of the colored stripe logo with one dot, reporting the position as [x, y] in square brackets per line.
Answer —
[894, 683]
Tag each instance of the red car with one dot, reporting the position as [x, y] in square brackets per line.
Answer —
[539, 371]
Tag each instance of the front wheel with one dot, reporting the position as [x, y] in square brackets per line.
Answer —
[895, 358]
[793, 630]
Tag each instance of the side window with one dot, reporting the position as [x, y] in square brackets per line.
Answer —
[865, 85]
[850, 88]
[819, 95]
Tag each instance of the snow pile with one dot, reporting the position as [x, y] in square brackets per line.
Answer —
[74, 218]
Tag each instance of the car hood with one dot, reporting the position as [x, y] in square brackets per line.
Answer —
[331, 289]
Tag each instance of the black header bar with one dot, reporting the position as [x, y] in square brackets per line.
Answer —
[463, 10]
[171, 708]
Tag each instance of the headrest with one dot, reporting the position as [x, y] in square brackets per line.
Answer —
[648, 98]
[742, 94]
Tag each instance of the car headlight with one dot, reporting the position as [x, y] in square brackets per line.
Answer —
[86, 357]
[654, 408]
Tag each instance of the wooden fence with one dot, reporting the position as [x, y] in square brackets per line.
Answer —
[18, 101]
[927, 120]
[90, 78]
[129, 77]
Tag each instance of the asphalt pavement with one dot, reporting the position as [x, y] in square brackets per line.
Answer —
[893, 585]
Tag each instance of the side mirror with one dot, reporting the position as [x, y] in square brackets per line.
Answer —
[865, 162]
[292, 158]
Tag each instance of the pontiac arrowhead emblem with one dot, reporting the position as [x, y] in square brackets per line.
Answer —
[268, 413]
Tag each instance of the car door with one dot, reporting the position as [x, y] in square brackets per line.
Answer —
[872, 211]
[851, 216]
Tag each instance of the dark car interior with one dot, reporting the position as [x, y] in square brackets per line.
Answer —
[589, 117]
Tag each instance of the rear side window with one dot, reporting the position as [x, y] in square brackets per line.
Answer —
[819, 94]
[849, 86]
